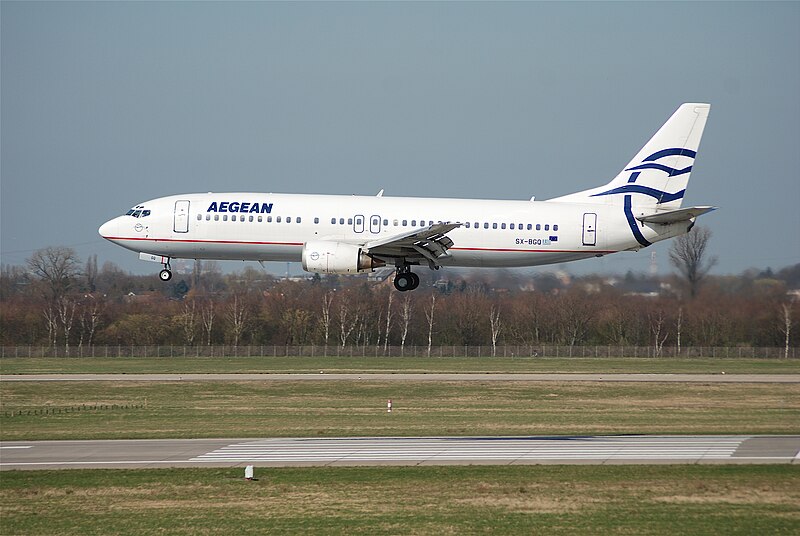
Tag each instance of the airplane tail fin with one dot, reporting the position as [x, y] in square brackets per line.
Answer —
[657, 176]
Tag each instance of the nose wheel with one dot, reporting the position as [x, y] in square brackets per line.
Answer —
[165, 274]
[406, 280]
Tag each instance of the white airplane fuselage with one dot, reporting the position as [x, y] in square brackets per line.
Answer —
[351, 234]
[542, 232]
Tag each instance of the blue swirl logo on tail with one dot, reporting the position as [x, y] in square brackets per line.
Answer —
[660, 195]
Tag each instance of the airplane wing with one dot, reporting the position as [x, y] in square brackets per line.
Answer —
[428, 243]
[674, 216]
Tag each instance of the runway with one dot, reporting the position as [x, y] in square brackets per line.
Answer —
[628, 449]
[404, 377]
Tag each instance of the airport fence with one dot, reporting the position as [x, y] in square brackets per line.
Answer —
[507, 351]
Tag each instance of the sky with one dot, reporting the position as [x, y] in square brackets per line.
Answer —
[107, 104]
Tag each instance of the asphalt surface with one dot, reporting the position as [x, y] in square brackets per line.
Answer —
[404, 377]
[628, 449]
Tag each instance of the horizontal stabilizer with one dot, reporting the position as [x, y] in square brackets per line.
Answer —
[675, 216]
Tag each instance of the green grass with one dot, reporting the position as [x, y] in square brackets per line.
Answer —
[185, 409]
[701, 499]
[365, 365]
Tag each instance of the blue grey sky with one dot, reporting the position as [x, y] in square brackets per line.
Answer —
[106, 104]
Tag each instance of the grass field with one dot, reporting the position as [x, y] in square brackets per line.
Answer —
[365, 365]
[406, 500]
[358, 408]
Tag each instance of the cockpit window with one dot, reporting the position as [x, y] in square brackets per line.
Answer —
[138, 212]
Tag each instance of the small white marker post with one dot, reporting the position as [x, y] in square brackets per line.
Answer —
[389, 406]
[248, 472]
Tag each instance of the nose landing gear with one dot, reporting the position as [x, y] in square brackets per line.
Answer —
[165, 274]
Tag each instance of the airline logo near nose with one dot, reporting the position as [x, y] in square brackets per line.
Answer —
[236, 206]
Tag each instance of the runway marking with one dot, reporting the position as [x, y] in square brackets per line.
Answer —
[633, 449]
[454, 449]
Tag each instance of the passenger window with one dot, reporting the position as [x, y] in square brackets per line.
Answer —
[316, 220]
[199, 217]
[297, 219]
[405, 223]
[269, 219]
[511, 226]
[494, 226]
[251, 218]
[395, 223]
[502, 225]
[466, 225]
[555, 227]
[486, 225]
[538, 226]
[224, 217]
[208, 217]
[529, 227]
[288, 219]
[385, 223]
[277, 219]
[547, 227]
[241, 218]
[413, 223]
[341, 221]
[260, 219]
[216, 217]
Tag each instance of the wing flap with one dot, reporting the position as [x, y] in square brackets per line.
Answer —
[428, 243]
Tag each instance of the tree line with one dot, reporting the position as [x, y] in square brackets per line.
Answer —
[59, 300]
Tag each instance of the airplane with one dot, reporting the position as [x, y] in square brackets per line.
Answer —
[338, 234]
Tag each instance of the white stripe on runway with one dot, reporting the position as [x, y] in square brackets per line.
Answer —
[478, 449]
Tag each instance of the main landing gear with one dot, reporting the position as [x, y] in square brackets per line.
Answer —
[405, 279]
[165, 274]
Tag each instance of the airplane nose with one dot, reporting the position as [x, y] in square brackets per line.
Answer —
[108, 229]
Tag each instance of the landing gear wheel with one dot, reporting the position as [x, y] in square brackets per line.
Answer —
[165, 275]
[403, 281]
[414, 280]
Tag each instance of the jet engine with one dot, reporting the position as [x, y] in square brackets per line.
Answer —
[326, 257]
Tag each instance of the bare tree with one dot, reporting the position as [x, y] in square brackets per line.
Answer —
[405, 316]
[679, 328]
[494, 322]
[65, 307]
[237, 315]
[188, 321]
[689, 256]
[207, 314]
[325, 319]
[56, 267]
[429, 315]
[388, 322]
[346, 323]
[785, 326]
[91, 273]
[658, 330]
[91, 311]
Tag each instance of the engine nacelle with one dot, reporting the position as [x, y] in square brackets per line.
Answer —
[326, 257]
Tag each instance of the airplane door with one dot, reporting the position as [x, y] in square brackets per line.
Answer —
[589, 229]
[375, 224]
[181, 217]
[358, 224]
